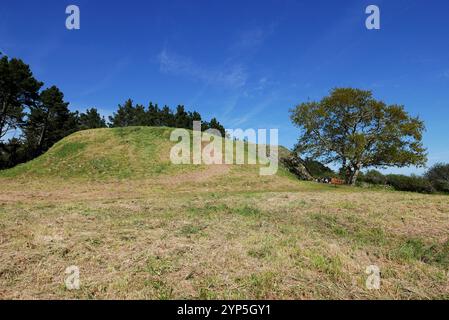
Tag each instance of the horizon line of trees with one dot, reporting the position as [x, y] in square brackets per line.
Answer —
[42, 117]
[434, 180]
[129, 114]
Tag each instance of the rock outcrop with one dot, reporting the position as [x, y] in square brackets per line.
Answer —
[296, 166]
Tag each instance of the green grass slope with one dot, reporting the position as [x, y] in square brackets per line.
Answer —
[117, 153]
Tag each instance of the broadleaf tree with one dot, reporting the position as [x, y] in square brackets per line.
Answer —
[352, 128]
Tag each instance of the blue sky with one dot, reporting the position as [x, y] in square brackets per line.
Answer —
[245, 62]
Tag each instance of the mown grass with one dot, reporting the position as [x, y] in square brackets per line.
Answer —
[199, 245]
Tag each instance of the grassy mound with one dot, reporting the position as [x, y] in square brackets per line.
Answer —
[117, 153]
[104, 153]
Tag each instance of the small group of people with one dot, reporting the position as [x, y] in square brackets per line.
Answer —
[323, 180]
[330, 181]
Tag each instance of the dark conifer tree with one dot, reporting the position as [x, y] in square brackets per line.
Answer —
[49, 121]
[167, 117]
[153, 115]
[91, 120]
[139, 116]
[18, 90]
[124, 115]
[181, 118]
[214, 124]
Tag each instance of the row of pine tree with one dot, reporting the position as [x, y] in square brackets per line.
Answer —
[32, 119]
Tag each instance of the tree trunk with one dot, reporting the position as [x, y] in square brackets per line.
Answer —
[3, 118]
[348, 174]
[346, 170]
[354, 175]
[42, 134]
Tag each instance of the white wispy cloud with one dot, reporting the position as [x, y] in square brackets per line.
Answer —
[265, 83]
[232, 75]
[242, 90]
[256, 109]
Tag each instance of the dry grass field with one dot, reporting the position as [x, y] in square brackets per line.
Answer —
[139, 228]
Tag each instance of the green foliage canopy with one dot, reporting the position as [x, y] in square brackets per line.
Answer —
[352, 128]
[49, 121]
[91, 119]
[438, 175]
[18, 90]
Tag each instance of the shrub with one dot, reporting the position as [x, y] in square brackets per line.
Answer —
[438, 176]
[410, 183]
[373, 177]
[317, 169]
